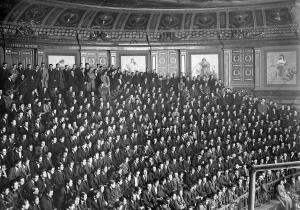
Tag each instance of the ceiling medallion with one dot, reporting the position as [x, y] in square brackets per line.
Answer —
[35, 13]
[104, 19]
[137, 20]
[204, 20]
[170, 21]
[70, 18]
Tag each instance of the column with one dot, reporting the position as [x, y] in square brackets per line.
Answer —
[154, 55]
[227, 68]
[113, 58]
[251, 198]
[182, 54]
[257, 69]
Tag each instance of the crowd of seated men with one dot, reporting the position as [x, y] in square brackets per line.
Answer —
[84, 138]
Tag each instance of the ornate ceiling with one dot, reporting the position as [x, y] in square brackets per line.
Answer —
[168, 4]
[64, 19]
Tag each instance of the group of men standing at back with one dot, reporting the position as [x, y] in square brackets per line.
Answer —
[28, 79]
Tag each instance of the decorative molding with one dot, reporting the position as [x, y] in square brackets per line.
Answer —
[160, 26]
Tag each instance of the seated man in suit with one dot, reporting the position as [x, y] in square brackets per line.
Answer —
[148, 198]
[111, 193]
[283, 196]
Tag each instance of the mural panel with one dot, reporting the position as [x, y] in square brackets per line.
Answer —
[282, 67]
[62, 60]
[278, 16]
[133, 63]
[137, 21]
[170, 21]
[104, 20]
[35, 14]
[205, 21]
[241, 19]
[205, 65]
[70, 18]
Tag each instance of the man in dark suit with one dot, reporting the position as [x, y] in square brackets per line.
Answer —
[20, 69]
[111, 193]
[37, 78]
[8, 84]
[81, 78]
[148, 198]
[46, 201]
[4, 74]
[29, 77]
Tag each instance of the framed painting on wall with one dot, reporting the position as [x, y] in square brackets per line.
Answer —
[205, 65]
[133, 63]
[282, 68]
[62, 60]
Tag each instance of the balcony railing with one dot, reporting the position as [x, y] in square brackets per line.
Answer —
[263, 194]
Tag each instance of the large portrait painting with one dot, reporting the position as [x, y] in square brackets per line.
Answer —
[62, 60]
[133, 63]
[205, 65]
[282, 68]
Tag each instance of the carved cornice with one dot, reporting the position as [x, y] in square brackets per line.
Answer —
[68, 35]
[43, 21]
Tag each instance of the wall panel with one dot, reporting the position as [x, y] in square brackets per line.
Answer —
[41, 57]
[19, 55]
[168, 62]
[242, 67]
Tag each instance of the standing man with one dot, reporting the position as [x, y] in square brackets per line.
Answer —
[56, 76]
[14, 72]
[51, 76]
[8, 84]
[104, 88]
[20, 69]
[4, 74]
[81, 78]
[37, 76]
[29, 77]
[61, 79]
[45, 76]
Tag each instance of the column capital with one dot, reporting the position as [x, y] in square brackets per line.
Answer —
[113, 57]
[183, 52]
